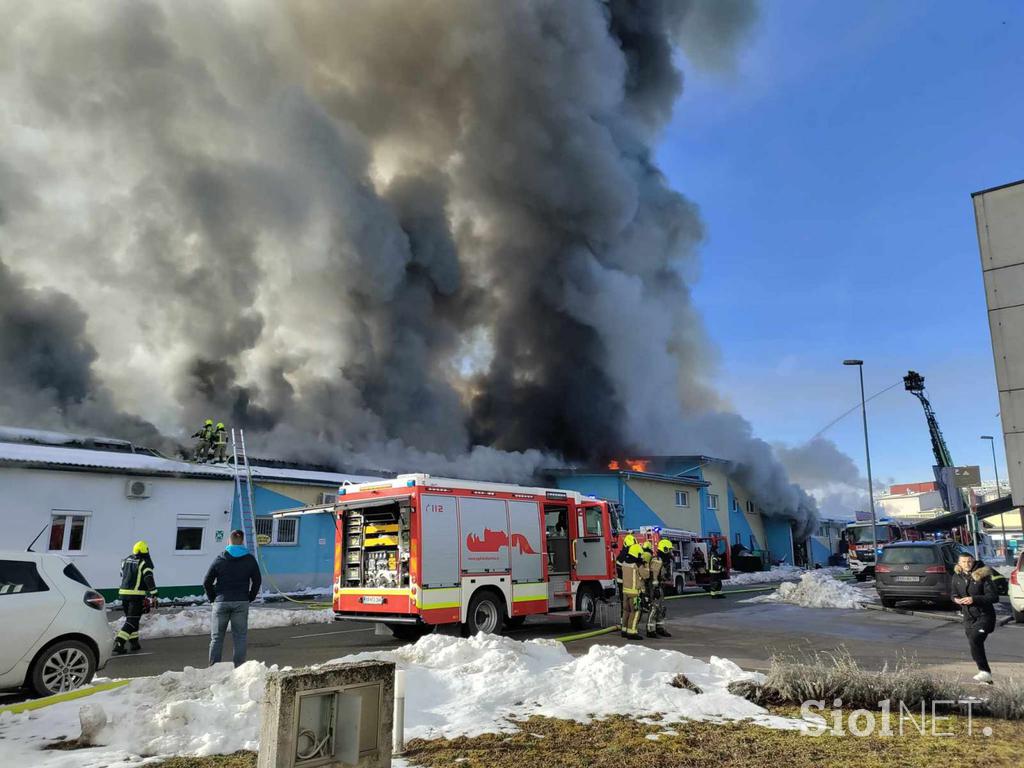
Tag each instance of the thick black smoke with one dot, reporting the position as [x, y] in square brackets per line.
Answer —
[411, 234]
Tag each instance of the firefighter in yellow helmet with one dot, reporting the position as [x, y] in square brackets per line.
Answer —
[715, 572]
[661, 565]
[632, 588]
[220, 443]
[137, 594]
[627, 541]
[205, 441]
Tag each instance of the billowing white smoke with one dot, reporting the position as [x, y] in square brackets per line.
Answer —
[404, 234]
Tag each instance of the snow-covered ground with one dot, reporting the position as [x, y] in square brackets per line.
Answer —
[196, 621]
[778, 573]
[454, 687]
[270, 595]
[816, 589]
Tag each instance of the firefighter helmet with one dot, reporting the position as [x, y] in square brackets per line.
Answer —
[629, 540]
[664, 545]
[636, 550]
[140, 548]
[648, 546]
[220, 425]
[208, 422]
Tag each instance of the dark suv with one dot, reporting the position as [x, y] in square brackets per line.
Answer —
[916, 570]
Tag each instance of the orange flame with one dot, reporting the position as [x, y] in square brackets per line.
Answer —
[634, 465]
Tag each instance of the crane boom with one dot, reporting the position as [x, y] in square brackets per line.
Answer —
[913, 382]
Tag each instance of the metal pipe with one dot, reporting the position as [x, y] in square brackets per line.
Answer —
[398, 741]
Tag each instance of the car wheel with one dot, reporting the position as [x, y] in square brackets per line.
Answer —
[64, 666]
[486, 613]
[586, 600]
[860, 576]
[1018, 616]
[888, 602]
[409, 632]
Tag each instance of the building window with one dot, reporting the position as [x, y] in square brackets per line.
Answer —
[67, 532]
[277, 531]
[750, 507]
[682, 498]
[18, 577]
[189, 537]
[712, 501]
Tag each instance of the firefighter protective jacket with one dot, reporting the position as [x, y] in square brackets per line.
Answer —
[136, 577]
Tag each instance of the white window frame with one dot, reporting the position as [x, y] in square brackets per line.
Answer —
[68, 514]
[191, 521]
[685, 496]
[275, 531]
[712, 501]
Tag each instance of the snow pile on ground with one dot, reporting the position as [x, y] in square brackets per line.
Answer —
[454, 687]
[196, 712]
[196, 621]
[778, 573]
[816, 589]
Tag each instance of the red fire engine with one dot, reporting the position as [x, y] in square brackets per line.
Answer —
[420, 551]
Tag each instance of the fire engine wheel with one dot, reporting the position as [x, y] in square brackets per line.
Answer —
[586, 600]
[486, 613]
[680, 585]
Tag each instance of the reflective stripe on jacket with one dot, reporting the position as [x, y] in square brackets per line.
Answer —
[136, 577]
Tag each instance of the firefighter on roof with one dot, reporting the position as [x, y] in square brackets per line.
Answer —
[661, 563]
[205, 443]
[138, 595]
[220, 443]
[632, 587]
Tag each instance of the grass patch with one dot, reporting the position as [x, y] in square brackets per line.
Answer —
[830, 676]
[235, 760]
[620, 742]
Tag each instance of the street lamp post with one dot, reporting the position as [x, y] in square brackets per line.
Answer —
[867, 454]
[1002, 517]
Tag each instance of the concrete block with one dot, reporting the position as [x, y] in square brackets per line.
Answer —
[333, 715]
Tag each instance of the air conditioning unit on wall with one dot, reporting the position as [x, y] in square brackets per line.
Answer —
[138, 489]
[328, 498]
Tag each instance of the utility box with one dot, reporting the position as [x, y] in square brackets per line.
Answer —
[334, 715]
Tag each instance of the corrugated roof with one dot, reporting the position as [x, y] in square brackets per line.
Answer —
[81, 459]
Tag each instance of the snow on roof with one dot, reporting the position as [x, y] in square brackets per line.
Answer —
[46, 437]
[56, 456]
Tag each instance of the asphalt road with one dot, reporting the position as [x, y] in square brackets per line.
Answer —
[748, 634]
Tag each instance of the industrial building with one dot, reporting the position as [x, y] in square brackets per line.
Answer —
[91, 498]
[695, 493]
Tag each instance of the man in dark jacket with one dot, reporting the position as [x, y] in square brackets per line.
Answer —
[975, 593]
[232, 582]
[137, 594]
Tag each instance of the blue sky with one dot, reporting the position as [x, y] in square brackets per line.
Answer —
[833, 169]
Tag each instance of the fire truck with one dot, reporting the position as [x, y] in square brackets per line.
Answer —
[860, 556]
[420, 552]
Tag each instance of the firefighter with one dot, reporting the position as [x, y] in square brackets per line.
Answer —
[205, 441]
[627, 541]
[138, 595]
[646, 593]
[220, 443]
[660, 564]
[632, 586]
[715, 573]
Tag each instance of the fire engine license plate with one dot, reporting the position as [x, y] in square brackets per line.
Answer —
[379, 600]
[907, 578]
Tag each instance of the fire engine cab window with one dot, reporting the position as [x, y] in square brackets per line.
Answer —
[592, 521]
[556, 520]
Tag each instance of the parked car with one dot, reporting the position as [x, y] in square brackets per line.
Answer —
[1016, 590]
[916, 570]
[55, 624]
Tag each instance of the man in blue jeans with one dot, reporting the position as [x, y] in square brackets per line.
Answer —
[232, 582]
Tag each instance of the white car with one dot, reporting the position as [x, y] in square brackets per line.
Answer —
[1016, 590]
[55, 632]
